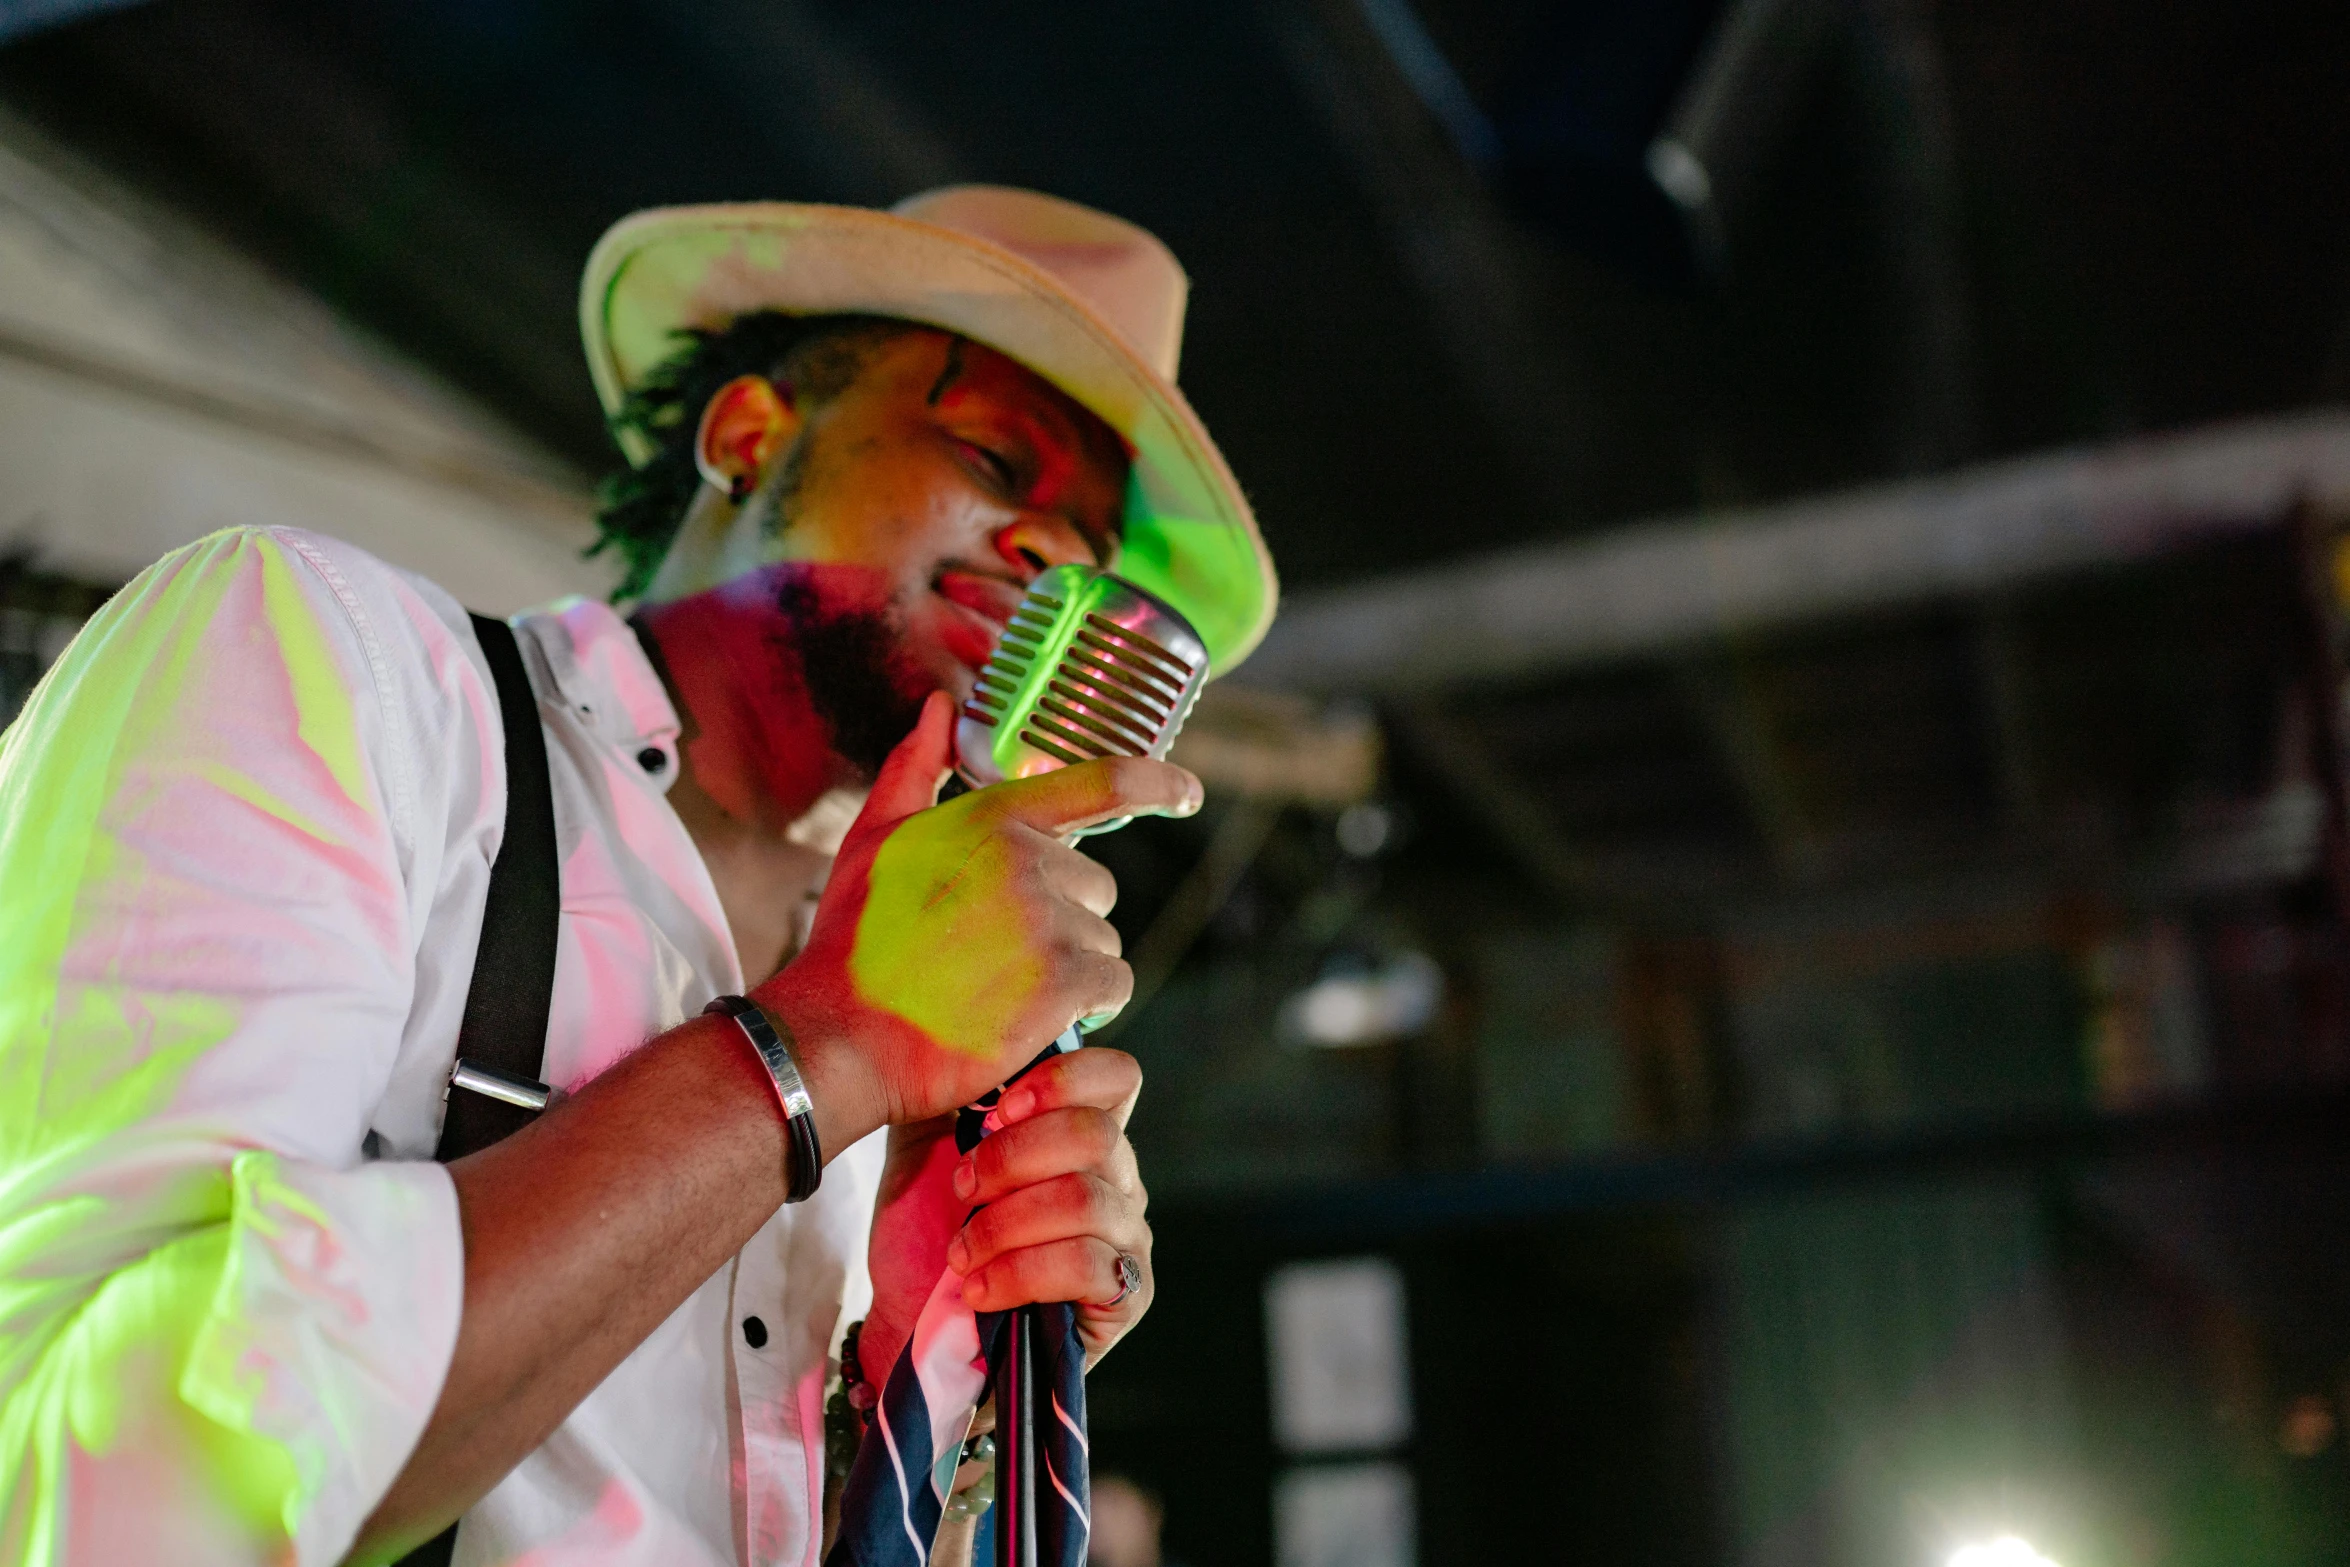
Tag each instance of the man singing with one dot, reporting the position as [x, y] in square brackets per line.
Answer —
[247, 828]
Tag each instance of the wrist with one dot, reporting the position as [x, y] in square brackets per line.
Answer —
[843, 1089]
[778, 1052]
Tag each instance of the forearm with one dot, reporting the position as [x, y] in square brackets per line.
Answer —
[583, 1232]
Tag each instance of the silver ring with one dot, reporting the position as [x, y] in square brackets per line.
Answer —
[1129, 1280]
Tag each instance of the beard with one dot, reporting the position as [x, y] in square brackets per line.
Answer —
[861, 686]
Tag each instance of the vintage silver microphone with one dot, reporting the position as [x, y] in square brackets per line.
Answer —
[1089, 666]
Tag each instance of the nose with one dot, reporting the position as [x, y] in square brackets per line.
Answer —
[1037, 541]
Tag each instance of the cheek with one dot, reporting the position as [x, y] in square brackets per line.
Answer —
[901, 511]
[797, 587]
[938, 513]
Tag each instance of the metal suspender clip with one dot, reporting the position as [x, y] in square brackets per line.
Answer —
[505, 1086]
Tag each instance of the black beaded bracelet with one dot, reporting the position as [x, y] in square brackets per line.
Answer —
[799, 1111]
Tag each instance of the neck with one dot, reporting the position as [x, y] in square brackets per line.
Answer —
[754, 760]
[753, 742]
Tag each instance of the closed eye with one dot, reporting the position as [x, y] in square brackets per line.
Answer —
[993, 464]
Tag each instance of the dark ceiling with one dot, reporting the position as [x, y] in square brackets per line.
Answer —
[1437, 305]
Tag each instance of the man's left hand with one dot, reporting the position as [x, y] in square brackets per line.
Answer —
[1063, 1199]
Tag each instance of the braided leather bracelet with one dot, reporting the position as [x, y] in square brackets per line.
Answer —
[799, 1112]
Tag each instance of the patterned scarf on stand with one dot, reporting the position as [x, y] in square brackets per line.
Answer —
[905, 1468]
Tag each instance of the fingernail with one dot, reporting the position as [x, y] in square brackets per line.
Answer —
[1193, 798]
[1017, 1104]
[966, 1178]
[959, 1255]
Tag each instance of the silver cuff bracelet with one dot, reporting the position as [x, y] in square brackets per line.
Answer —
[799, 1111]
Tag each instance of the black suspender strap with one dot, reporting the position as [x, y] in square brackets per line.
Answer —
[502, 1042]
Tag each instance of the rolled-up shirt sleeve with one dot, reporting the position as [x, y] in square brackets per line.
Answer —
[226, 818]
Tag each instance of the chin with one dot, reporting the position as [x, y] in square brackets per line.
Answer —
[944, 658]
[952, 677]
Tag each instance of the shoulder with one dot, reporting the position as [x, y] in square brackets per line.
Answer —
[381, 598]
[310, 634]
[268, 581]
[297, 593]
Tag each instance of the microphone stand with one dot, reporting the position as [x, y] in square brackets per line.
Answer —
[1012, 1383]
[1015, 1442]
[1012, 1379]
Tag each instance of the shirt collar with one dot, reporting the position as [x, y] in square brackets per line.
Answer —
[604, 677]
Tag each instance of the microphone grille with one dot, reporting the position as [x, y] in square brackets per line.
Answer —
[1088, 666]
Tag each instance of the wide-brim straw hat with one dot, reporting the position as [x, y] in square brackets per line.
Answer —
[1088, 301]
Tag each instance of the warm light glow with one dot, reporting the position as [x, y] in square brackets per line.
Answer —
[2006, 1551]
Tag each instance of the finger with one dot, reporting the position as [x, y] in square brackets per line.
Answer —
[1084, 1270]
[1051, 872]
[1106, 1316]
[1091, 983]
[1079, 878]
[1060, 802]
[1099, 1076]
[1111, 1302]
[1078, 931]
[1060, 1209]
[909, 779]
[1056, 1143]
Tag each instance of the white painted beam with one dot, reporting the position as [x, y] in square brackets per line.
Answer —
[1658, 586]
[155, 385]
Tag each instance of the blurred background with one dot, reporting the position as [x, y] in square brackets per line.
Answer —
[1765, 980]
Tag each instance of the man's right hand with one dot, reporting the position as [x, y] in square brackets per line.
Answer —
[954, 942]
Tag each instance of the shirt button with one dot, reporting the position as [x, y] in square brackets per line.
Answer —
[754, 1333]
[652, 759]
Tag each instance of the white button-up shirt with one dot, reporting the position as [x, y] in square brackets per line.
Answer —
[246, 825]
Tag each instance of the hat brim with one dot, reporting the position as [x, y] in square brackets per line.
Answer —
[1189, 535]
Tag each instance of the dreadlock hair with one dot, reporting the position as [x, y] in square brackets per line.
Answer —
[639, 509]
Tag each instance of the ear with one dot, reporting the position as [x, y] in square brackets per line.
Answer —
[746, 422]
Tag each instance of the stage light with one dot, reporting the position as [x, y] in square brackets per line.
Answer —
[1366, 1005]
[2006, 1551]
[1364, 829]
